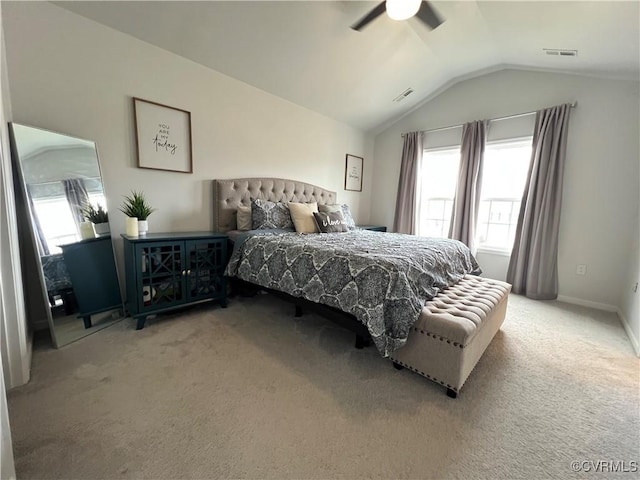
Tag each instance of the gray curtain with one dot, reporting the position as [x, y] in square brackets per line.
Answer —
[533, 268]
[41, 241]
[466, 202]
[405, 216]
[77, 197]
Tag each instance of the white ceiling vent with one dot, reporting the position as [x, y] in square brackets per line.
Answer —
[403, 95]
[560, 53]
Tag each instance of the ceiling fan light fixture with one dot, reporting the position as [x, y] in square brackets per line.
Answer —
[402, 9]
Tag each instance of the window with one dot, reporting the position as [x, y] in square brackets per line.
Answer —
[56, 222]
[504, 174]
[438, 175]
[54, 214]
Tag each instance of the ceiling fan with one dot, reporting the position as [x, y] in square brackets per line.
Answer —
[402, 10]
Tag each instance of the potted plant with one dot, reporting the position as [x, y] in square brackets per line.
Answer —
[99, 217]
[135, 206]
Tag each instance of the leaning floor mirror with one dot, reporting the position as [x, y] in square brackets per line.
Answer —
[68, 263]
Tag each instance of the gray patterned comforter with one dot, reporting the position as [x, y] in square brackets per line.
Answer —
[383, 279]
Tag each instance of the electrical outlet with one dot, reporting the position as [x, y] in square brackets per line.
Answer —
[581, 269]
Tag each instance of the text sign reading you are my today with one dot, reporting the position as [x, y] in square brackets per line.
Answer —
[164, 137]
[161, 140]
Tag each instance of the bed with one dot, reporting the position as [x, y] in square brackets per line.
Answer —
[382, 281]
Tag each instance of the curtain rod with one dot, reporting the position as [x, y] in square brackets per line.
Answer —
[573, 105]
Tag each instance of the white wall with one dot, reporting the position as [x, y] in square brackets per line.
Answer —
[14, 336]
[602, 168]
[7, 466]
[494, 265]
[7, 345]
[75, 76]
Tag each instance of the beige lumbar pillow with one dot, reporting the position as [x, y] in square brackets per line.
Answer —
[302, 216]
[243, 218]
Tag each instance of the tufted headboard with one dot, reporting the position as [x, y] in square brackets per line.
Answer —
[228, 194]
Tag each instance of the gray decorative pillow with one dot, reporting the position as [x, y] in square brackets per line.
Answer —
[266, 214]
[344, 209]
[331, 222]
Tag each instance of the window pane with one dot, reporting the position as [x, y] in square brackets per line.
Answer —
[433, 228]
[504, 174]
[56, 221]
[483, 212]
[497, 234]
[500, 211]
[448, 210]
[435, 208]
[96, 199]
[438, 174]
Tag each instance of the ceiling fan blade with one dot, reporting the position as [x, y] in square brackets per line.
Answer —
[428, 15]
[372, 15]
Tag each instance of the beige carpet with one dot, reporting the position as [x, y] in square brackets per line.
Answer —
[251, 392]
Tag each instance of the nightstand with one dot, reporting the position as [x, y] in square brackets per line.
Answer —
[375, 228]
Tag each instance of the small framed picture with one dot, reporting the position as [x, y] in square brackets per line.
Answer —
[163, 136]
[353, 173]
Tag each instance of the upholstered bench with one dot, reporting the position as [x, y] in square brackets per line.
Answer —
[453, 331]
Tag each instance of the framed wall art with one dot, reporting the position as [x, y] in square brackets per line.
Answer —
[353, 173]
[163, 136]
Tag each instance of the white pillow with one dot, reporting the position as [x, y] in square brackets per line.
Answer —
[302, 216]
[243, 218]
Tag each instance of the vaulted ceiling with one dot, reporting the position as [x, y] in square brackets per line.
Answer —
[305, 52]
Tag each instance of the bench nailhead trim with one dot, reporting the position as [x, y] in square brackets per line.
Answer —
[434, 379]
[442, 339]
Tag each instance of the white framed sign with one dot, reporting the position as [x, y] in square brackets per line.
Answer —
[163, 136]
[353, 173]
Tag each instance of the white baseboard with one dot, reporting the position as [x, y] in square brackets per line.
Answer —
[587, 303]
[607, 308]
[627, 328]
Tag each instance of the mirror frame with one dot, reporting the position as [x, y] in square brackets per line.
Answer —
[26, 229]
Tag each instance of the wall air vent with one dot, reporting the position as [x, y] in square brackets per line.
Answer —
[403, 95]
[560, 53]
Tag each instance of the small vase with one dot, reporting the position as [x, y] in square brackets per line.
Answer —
[87, 231]
[132, 226]
[143, 227]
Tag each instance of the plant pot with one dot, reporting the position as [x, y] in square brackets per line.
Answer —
[143, 227]
[102, 228]
[132, 226]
